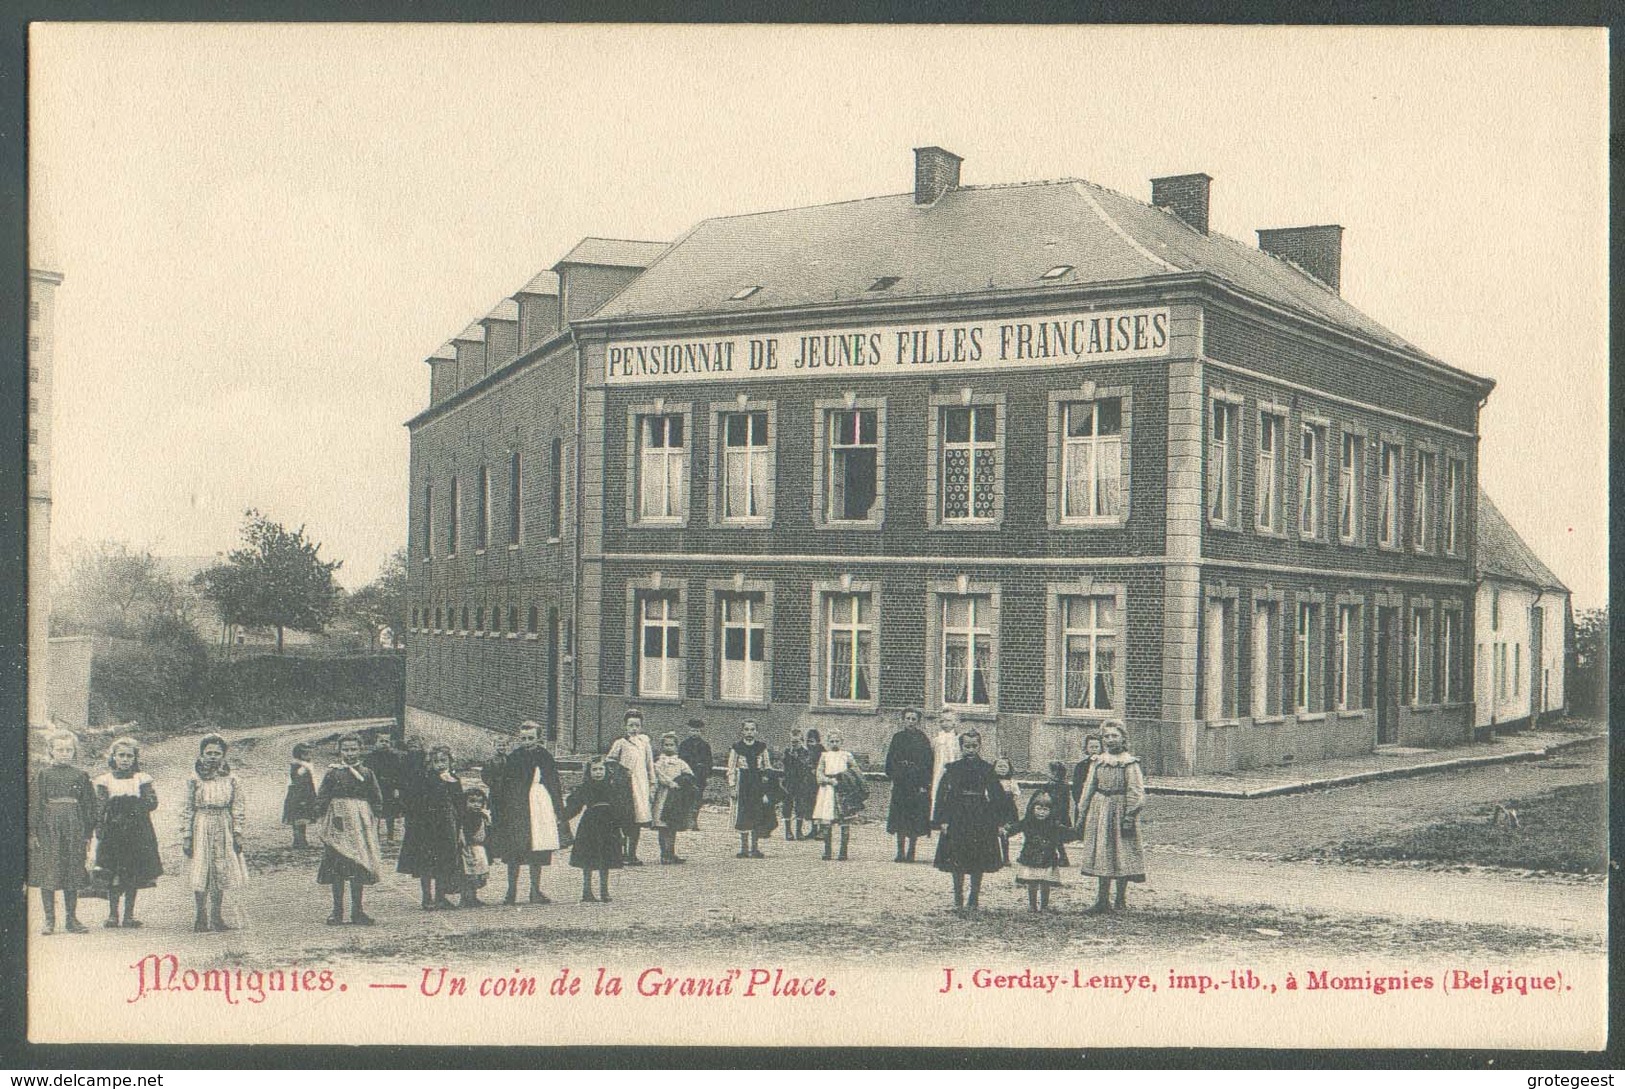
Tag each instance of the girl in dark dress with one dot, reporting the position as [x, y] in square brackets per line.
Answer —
[1010, 816]
[60, 818]
[346, 822]
[1038, 866]
[753, 813]
[431, 846]
[600, 841]
[800, 786]
[969, 807]
[1059, 791]
[299, 804]
[126, 845]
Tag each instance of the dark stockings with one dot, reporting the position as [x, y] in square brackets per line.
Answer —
[633, 834]
[129, 907]
[668, 845]
[603, 886]
[1032, 897]
[829, 840]
[1104, 899]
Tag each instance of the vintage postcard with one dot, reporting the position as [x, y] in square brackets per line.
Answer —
[1033, 537]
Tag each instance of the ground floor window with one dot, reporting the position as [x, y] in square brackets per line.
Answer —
[1350, 691]
[1450, 655]
[742, 670]
[849, 647]
[1420, 679]
[1266, 663]
[1219, 658]
[659, 644]
[1089, 641]
[967, 651]
[1307, 653]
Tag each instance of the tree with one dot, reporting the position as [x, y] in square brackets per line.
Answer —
[276, 580]
[112, 589]
[1588, 683]
[382, 602]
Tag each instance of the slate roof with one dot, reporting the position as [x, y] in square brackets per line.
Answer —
[506, 310]
[545, 282]
[972, 239]
[619, 252]
[1503, 554]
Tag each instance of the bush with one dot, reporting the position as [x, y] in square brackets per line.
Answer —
[171, 686]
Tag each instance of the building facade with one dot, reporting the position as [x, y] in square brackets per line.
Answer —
[1039, 454]
[42, 285]
[1523, 629]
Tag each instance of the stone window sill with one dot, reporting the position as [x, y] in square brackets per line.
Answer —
[735, 705]
[843, 709]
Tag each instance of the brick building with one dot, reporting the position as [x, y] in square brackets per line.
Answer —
[1040, 453]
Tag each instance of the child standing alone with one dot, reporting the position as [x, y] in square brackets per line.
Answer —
[299, 804]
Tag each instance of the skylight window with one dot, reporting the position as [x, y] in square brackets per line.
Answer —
[745, 292]
[1056, 273]
[884, 282]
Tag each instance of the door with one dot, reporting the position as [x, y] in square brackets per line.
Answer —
[1386, 683]
[552, 674]
[1537, 691]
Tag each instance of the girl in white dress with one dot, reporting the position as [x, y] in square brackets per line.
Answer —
[212, 817]
[828, 809]
[634, 753]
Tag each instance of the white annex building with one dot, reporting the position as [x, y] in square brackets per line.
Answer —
[1522, 619]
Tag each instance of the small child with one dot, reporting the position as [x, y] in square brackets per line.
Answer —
[1010, 812]
[1093, 746]
[1059, 791]
[476, 828]
[676, 799]
[299, 804]
[1038, 866]
[213, 815]
[126, 845]
[600, 842]
[61, 815]
[431, 845]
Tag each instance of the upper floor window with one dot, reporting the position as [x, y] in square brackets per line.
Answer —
[1089, 641]
[428, 520]
[1312, 483]
[1091, 461]
[555, 490]
[1424, 495]
[1388, 495]
[1350, 474]
[482, 510]
[747, 465]
[451, 519]
[662, 468]
[1271, 476]
[1454, 477]
[1223, 447]
[853, 464]
[516, 499]
[968, 471]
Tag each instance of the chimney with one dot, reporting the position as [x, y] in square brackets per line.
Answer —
[935, 172]
[1185, 195]
[1316, 250]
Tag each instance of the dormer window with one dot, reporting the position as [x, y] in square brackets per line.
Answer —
[1056, 273]
[884, 282]
[745, 292]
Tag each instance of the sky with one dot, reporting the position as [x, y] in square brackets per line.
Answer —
[264, 230]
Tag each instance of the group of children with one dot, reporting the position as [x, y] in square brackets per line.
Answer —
[97, 837]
